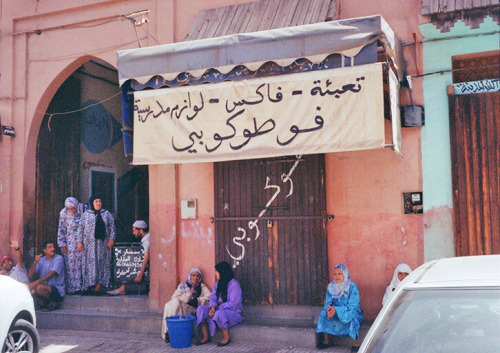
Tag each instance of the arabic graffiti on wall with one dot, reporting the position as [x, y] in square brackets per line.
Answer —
[316, 112]
[253, 225]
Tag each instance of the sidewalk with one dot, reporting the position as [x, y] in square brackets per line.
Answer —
[60, 341]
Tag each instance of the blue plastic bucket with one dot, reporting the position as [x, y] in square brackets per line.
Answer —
[180, 330]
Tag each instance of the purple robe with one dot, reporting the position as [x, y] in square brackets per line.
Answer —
[229, 313]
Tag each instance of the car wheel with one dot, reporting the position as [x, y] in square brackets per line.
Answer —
[22, 337]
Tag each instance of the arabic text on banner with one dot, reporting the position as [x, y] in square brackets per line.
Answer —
[304, 113]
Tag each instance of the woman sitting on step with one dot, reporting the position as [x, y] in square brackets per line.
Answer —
[225, 308]
[186, 299]
[342, 314]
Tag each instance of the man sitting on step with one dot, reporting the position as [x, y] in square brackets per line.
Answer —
[140, 229]
[48, 288]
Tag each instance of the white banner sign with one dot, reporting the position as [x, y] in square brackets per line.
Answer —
[304, 113]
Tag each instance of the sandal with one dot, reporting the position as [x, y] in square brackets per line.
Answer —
[50, 307]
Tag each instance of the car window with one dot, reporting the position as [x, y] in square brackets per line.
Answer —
[441, 321]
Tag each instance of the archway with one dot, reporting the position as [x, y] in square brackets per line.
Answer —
[80, 152]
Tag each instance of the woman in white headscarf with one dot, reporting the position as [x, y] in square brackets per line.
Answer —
[400, 273]
[186, 299]
[69, 220]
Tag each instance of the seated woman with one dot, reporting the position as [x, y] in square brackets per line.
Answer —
[225, 308]
[186, 299]
[400, 273]
[342, 314]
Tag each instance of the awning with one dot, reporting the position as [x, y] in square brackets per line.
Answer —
[308, 48]
[282, 46]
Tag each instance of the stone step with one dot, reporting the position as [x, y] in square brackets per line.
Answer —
[263, 324]
[100, 320]
[108, 303]
[282, 315]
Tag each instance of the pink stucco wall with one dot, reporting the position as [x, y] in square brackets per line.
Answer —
[369, 233]
[196, 237]
[363, 188]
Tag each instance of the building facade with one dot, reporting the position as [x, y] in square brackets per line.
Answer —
[460, 46]
[348, 207]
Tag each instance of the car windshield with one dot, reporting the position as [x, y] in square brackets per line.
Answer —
[441, 321]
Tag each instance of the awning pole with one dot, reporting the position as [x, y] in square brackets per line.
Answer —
[137, 35]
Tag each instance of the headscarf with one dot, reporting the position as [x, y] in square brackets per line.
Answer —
[340, 289]
[186, 286]
[100, 227]
[194, 269]
[226, 275]
[73, 202]
[395, 280]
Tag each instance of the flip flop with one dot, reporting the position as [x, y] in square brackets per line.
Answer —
[115, 292]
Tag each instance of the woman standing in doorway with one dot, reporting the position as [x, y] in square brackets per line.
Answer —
[69, 221]
[96, 236]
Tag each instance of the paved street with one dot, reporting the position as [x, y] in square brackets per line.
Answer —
[60, 341]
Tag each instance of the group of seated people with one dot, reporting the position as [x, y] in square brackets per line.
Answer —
[221, 308]
[341, 315]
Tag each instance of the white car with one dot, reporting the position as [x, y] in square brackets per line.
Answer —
[450, 305]
[17, 317]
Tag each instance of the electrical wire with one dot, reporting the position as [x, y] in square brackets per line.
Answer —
[50, 115]
[453, 70]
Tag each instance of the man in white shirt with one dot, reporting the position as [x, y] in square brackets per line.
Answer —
[140, 229]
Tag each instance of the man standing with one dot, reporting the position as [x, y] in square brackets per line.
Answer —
[48, 289]
[18, 272]
[140, 229]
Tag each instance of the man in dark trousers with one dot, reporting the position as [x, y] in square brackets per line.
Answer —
[140, 230]
[47, 275]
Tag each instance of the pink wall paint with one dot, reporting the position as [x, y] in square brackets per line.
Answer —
[163, 223]
[196, 237]
[372, 246]
[364, 193]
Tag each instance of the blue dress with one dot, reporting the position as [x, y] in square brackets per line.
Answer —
[348, 315]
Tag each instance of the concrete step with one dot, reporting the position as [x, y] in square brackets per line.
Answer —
[263, 324]
[100, 320]
[108, 303]
[282, 315]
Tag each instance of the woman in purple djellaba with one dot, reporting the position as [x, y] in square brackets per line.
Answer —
[225, 309]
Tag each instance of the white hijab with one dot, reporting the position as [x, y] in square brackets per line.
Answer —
[395, 281]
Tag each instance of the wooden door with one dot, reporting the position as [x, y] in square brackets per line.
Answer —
[270, 218]
[475, 153]
[57, 161]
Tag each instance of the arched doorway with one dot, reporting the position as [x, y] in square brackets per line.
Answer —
[80, 152]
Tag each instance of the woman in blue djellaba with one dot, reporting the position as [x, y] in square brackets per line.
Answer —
[342, 314]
